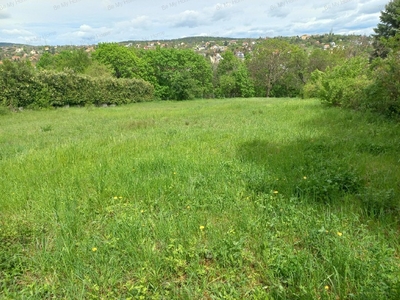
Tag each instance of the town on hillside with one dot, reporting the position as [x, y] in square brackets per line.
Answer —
[210, 47]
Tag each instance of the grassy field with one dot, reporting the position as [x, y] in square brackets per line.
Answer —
[210, 199]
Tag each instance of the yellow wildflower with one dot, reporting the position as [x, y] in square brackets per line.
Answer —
[94, 249]
[339, 233]
[115, 198]
[202, 227]
[275, 192]
[305, 177]
[326, 287]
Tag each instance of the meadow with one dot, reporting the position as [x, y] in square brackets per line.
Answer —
[207, 199]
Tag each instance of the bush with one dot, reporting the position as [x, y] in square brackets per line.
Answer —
[344, 85]
[20, 85]
[383, 95]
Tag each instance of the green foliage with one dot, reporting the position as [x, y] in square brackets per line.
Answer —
[123, 61]
[232, 78]
[68, 88]
[77, 60]
[18, 84]
[387, 32]
[278, 67]
[314, 85]
[383, 94]
[343, 85]
[97, 69]
[22, 86]
[178, 74]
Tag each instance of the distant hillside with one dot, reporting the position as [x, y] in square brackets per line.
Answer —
[9, 44]
[188, 40]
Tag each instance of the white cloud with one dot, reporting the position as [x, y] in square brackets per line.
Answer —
[81, 22]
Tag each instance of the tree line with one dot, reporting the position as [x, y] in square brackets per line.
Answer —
[275, 68]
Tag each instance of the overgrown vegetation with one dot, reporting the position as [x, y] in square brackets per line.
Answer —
[346, 76]
[271, 199]
[22, 86]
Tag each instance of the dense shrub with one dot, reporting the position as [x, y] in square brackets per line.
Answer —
[383, 95]
[342, 85]
[20, 85]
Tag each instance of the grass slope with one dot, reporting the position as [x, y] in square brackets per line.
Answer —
[211, 199]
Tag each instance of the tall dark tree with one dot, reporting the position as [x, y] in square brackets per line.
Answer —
[387, 35]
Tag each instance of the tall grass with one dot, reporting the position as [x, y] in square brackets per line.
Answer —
[211, 199]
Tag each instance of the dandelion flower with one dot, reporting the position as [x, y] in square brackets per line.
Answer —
[202, 227]
[305, 177]
[115, 198]
[339, 233]
[275, 192]
[94, 249]
[326, 287]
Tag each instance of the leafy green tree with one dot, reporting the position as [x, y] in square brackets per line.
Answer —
[232, 78]
[77, 60]
[276, 63]
[46, 61]
[179, 74]
[387, 35]
[123, 61]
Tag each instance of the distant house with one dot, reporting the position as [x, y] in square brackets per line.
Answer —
[240, 55]
[34, 58]
[216, 58]
[305, 37]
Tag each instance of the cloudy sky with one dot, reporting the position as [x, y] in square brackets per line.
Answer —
[76, 22]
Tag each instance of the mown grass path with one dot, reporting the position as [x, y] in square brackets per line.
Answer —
[206, 199]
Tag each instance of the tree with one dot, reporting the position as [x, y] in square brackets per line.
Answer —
[178, 74]
[232, 78]
[123, 61]
[76, 60]
[274, 62]
[387, 35]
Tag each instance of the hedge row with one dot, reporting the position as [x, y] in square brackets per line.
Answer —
[21, 86]
[360, 85]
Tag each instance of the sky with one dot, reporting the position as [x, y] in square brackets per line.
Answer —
[84, 22]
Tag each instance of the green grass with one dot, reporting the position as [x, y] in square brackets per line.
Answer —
[211, 199]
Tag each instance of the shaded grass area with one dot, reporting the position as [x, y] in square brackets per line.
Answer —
[212, 199]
